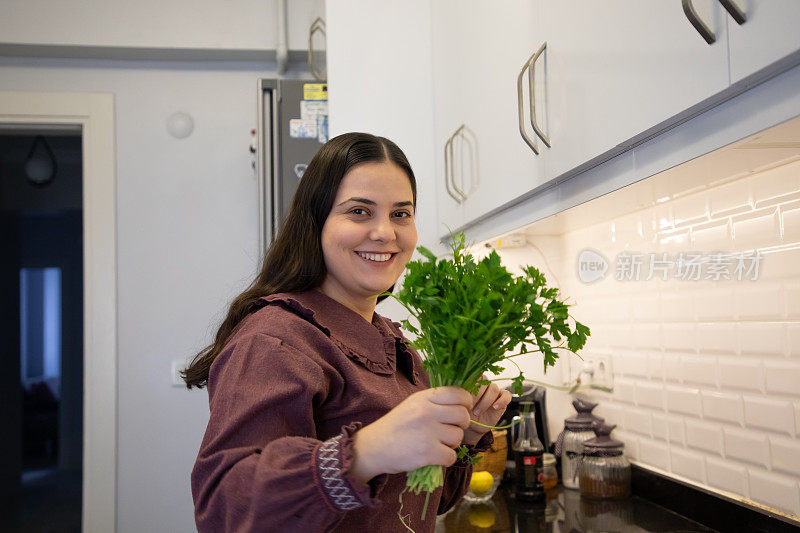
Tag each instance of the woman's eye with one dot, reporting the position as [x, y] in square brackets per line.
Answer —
[358, 211]
[403, 214]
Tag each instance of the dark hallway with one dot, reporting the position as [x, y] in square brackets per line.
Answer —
[41, 244]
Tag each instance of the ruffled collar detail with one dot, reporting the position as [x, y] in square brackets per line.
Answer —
[375, 345]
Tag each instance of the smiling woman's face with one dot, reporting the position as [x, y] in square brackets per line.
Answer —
[370, 233]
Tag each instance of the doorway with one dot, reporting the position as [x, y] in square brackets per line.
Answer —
[58, 278]
[42, 211]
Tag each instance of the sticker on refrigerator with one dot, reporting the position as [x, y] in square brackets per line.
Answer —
[313, 108]
[303, 128]
[322, 128]
[315, 91]
[300, 169]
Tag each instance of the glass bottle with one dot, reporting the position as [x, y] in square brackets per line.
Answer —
[528, 452]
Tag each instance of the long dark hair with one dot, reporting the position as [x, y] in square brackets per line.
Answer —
[294, 262]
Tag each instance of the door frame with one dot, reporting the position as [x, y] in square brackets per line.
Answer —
[94, 113]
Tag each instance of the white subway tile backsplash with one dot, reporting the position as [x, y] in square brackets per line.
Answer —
[717, 303]
[676, 430]
[792, 292]
[763, 301]
[659, 427]
[631, 442]
[706, 374]
[688, 464]
[760, 227]
[779, 265]
[768, 413]
[785, 454]
[761, 338]
[690, 209]
[624, 390]
[717, 337]
[637, 421]
[699, 370]
[676, 306]
[722, 406]
[646, 336]
[680, 337]
[650, 395]
[793, 339]
[704, 435]
[630, 363]
[726, 475]
[776, 490]
[654, 453]
[655, 366]
[645, 307]
[776, 181]
[611, 411]
[683, 400]
[790, 215]
[797, 418]
[741, 373]
[671, 364]
[709, 236]
[783, 377]
[746, 445]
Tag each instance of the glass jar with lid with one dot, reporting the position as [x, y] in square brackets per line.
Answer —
[603, 471]
[577, 430]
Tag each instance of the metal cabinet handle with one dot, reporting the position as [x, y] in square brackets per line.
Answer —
[317, 26]
[534, 124]
[467, 137]
[698, 24]
[734, 11]
[448, 170]
[522, 131]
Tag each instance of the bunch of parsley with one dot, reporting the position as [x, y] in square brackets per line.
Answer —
[471, 316]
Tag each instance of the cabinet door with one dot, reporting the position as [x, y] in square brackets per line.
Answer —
[616, 68]
[449, 76]
[771, 32]
[479, 49]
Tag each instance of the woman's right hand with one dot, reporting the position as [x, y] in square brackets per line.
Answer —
[422, 430]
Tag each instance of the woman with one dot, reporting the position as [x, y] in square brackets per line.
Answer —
[318, 405]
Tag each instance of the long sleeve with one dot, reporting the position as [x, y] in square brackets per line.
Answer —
[261, 465]
[457, 476]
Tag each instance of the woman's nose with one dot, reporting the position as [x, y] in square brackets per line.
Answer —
[382, 230]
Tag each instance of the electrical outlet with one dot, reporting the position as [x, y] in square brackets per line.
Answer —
[177, 366]
[602, 374]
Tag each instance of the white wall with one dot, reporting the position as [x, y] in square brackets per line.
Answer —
[228, 25]
[187, 234]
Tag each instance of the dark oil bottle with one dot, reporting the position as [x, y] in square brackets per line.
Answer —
[528, 452]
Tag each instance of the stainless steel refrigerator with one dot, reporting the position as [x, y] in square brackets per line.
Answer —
[292, 126]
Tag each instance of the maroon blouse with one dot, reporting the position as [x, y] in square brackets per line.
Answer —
[291, 386]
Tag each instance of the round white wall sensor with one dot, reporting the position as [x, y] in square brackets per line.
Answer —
[180, 125]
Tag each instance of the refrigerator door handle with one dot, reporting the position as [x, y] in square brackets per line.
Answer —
[317, 26]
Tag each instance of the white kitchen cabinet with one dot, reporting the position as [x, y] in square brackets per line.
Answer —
[616, 68]
[770, 33]
[478, 50]
[611, 70]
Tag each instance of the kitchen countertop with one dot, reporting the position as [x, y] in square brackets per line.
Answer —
[563, 512]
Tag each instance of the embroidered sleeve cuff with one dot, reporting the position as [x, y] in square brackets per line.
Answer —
[333, 459]
[481, 446]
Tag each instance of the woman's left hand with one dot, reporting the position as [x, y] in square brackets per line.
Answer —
[490, 404]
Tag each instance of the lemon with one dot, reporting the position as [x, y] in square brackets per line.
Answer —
[481, 517]
[481, 482]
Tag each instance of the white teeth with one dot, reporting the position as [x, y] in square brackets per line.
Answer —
[375, 257]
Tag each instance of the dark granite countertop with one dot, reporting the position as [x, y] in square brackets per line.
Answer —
[563, 512]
